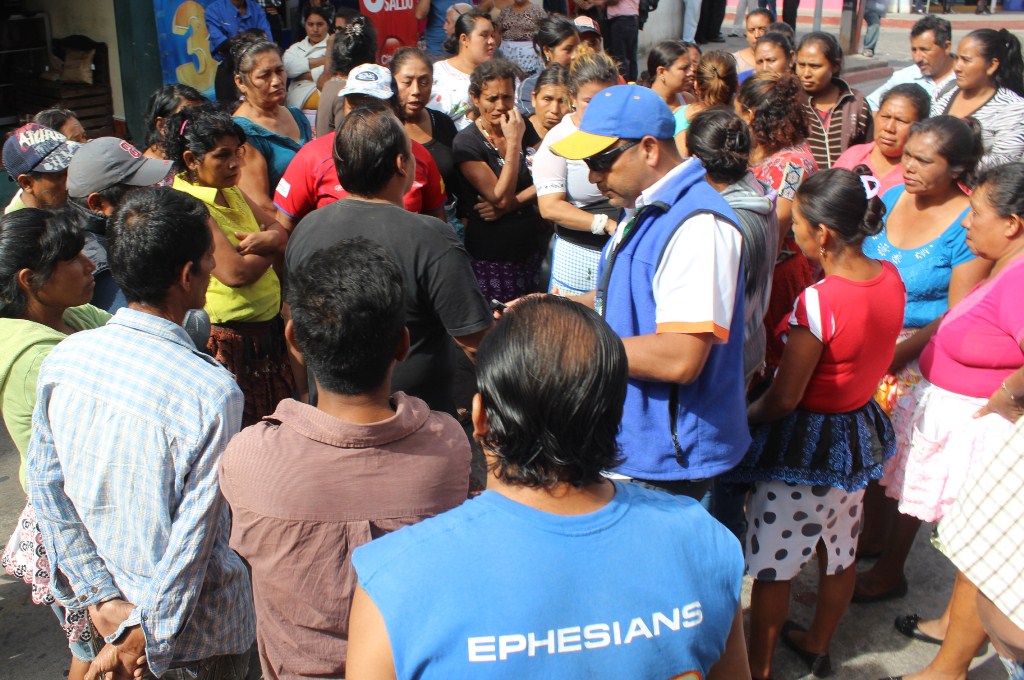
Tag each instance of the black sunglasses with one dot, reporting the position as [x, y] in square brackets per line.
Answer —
[604, 161]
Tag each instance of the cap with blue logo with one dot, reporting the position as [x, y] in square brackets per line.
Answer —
[370, 79]
[619, 112]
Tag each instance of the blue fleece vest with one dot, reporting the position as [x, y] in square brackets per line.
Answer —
[671, 431]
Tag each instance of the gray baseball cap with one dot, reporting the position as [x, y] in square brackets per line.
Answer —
[107, 161]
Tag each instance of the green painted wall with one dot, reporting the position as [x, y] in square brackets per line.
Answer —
[139, 56]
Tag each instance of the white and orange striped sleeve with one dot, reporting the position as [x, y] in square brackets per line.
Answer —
[811, 310]
[695, 283]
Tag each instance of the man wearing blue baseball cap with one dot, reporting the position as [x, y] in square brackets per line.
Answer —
[37, 158]
[670, 283]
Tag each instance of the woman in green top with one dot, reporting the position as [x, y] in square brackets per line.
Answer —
[244, 298]
[45, 285]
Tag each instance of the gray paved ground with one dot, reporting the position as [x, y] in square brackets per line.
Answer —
[866, 646]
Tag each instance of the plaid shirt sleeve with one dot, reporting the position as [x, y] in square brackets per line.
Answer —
[79, 576]
[168, 602]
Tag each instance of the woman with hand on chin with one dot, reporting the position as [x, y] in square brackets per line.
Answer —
[900, 108]
[472, 43]
[273, 132]
[989, 72]
[244, 298]
[503, 229]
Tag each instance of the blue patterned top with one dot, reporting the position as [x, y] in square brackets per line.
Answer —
[926, 270]
[278, 150]
[130, 423]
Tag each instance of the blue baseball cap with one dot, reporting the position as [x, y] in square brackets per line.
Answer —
[619, 112]
[34, 148]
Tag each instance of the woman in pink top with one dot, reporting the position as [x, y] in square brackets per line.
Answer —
[900, 108]
[964, 408]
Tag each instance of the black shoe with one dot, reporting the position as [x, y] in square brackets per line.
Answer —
[718, 38]
[820, 665]
[908, 626]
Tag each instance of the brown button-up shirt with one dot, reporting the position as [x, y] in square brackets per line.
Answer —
[305, 490]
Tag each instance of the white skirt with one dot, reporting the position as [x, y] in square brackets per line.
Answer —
[938, 443]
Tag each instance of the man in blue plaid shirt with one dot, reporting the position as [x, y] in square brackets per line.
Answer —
[129, 427]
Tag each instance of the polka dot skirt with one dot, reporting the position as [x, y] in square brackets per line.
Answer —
[785, 521]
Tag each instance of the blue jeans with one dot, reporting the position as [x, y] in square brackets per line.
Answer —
[874, 22]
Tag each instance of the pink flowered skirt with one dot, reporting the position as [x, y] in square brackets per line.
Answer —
[25, 557]
[938, 443]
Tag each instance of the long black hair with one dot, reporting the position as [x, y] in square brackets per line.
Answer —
[1005, 47]
[464, 25]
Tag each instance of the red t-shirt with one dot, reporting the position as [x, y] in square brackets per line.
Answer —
[858, 322]
[311, 181]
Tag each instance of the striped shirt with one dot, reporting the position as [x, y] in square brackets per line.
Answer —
[849, 122]
[1001, 131]
[130, 424]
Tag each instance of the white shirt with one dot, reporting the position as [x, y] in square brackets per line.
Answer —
[450, 94]
[553, 174]
[696, 279]
[912, 74]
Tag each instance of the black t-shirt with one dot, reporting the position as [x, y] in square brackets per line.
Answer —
[441, 294]
[515, 236]
[443, 133]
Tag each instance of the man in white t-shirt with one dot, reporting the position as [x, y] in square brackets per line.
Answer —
[671, 285]
[931, 48]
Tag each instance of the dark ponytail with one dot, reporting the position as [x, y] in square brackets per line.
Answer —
[838, 199]
[663, 55]
[464, 25]
[721, 140]
[1005, 47]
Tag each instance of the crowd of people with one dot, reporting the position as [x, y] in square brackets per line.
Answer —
[496, 363]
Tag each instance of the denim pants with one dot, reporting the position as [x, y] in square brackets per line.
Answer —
[874, 21]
